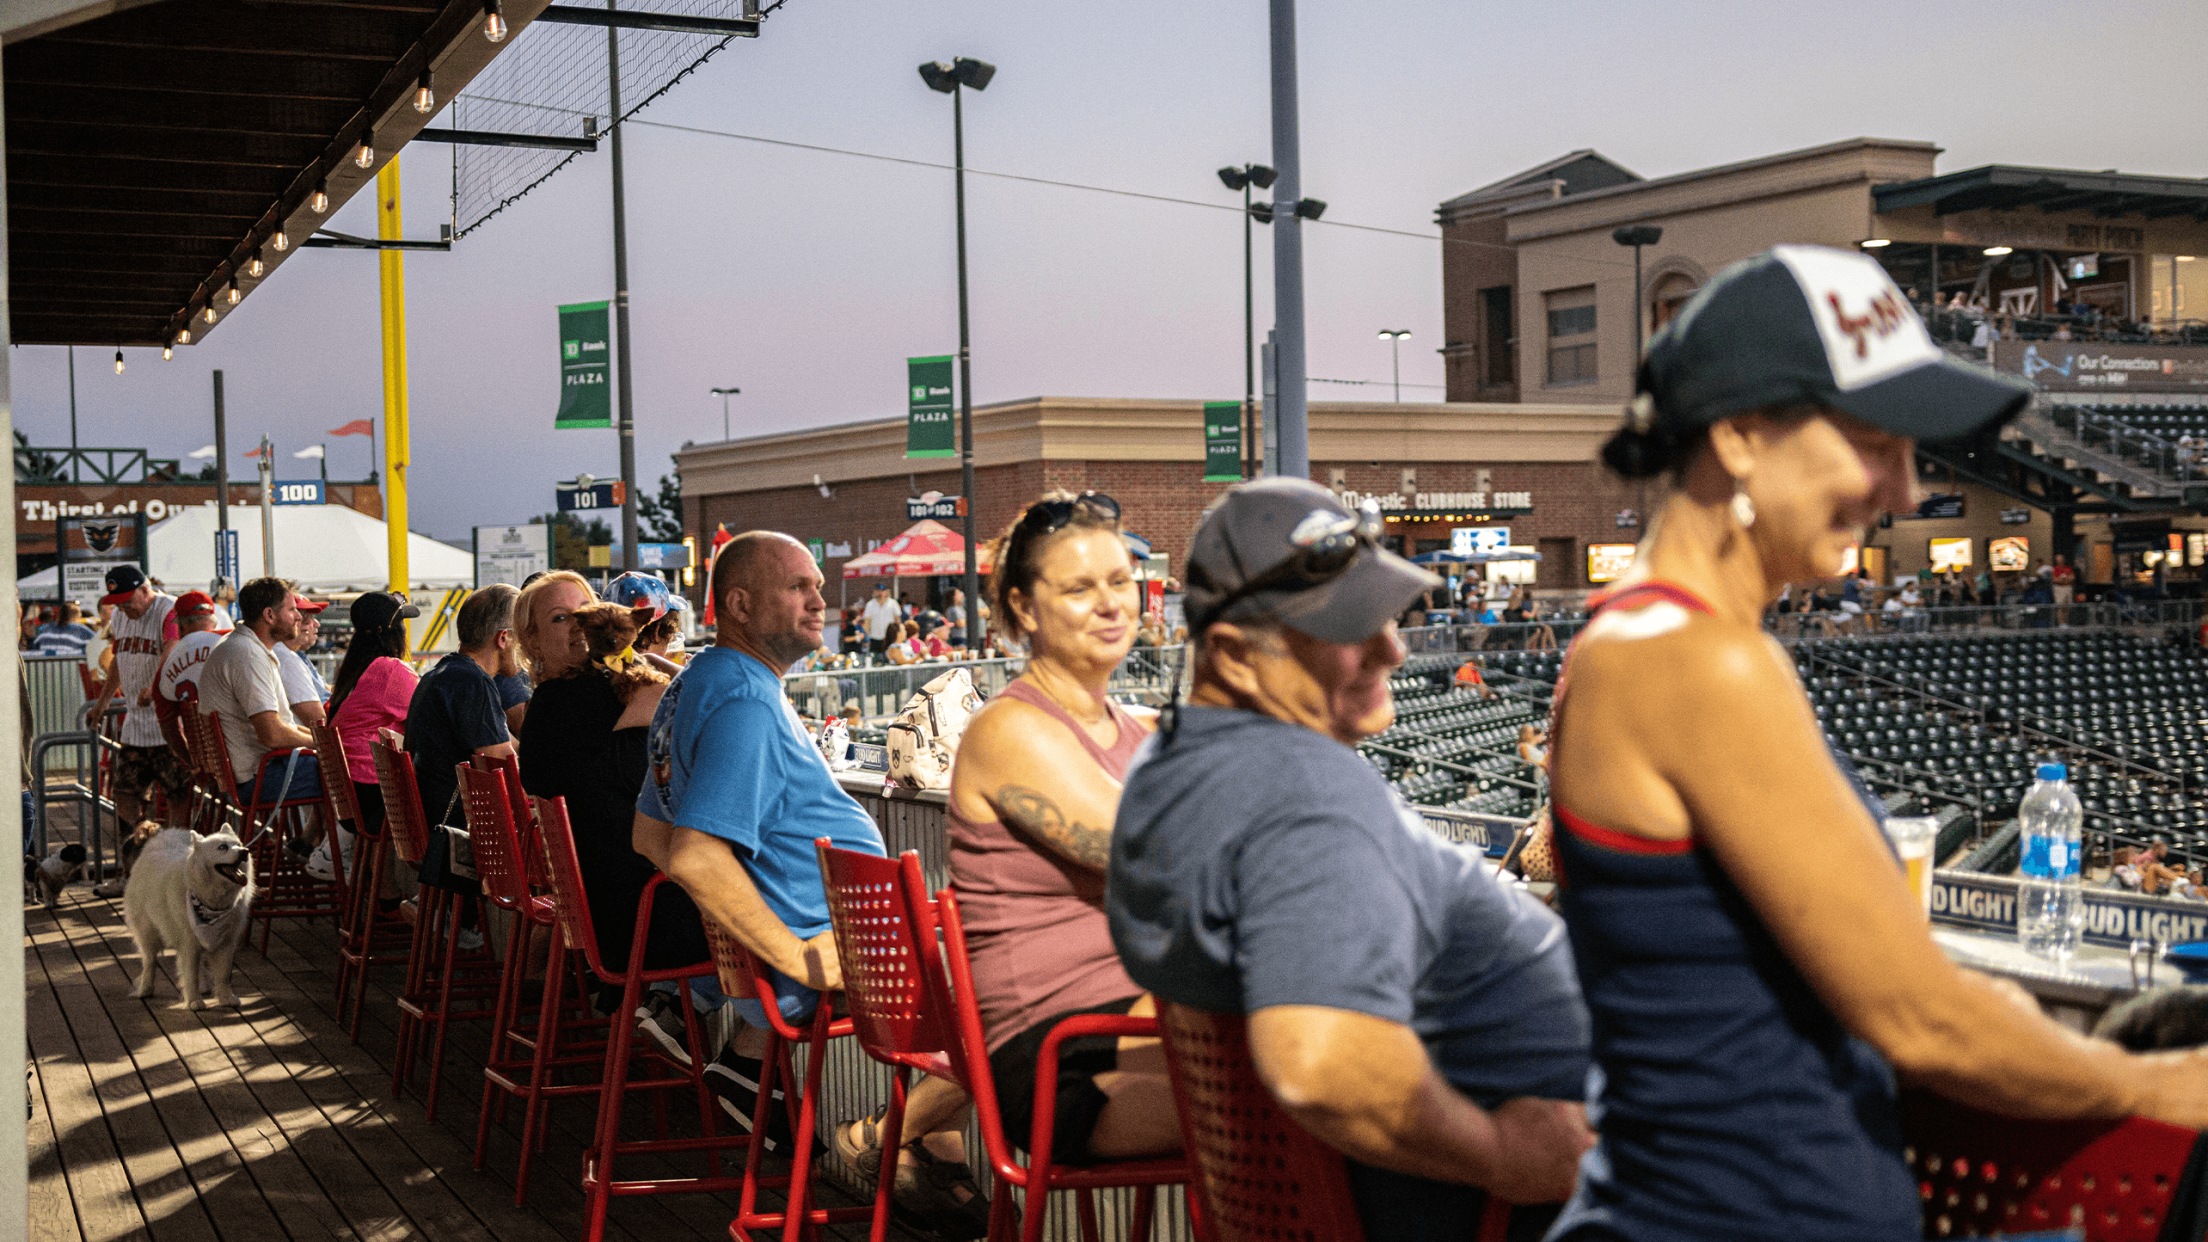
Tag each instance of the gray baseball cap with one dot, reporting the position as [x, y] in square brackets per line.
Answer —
[1811, 324]
[1259, 528]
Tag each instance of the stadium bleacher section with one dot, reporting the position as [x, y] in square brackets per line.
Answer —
[1949, 725]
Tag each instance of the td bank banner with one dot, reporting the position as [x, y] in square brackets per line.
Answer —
[2113, 919]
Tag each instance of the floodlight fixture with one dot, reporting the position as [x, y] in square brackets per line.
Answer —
[1637, 235]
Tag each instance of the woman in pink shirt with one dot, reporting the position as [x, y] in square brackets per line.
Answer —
[1032, 798]
[374, 685]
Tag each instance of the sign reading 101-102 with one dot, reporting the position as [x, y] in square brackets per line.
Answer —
[296, 491]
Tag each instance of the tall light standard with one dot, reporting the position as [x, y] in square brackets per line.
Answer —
[947, 79]
[1394, 338]
[724, 394]
[1242, 179]
[1637, 236]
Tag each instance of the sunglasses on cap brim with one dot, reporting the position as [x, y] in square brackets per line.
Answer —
[1321, 556]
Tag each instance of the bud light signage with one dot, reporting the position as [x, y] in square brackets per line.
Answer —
[2112, 919]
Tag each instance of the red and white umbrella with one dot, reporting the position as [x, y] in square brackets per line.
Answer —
[928, 550]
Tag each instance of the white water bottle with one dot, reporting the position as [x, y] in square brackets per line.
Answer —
[2049, 908]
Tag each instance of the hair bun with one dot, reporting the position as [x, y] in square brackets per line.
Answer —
[1639, 454]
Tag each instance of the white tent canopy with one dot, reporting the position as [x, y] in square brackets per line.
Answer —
[324, 548]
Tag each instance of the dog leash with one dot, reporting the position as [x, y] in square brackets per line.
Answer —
[283, 791]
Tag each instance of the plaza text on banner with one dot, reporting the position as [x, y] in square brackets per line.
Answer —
[586, 367]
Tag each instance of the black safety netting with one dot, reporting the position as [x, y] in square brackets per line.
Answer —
[553, 82]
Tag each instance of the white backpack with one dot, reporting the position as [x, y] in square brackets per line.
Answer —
[923, 739]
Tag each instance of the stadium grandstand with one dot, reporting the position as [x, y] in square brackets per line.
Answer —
[1948, 724]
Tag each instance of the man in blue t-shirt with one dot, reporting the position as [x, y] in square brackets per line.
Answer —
[1404, 1006]
[734, 795]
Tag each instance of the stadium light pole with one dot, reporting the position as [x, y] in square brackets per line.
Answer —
[1394, 338]
[947, 79]
[1637, 236]
[626, 418]
[1242, 179]
[725, 394]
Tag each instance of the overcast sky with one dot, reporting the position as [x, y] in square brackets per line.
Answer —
[807, 278]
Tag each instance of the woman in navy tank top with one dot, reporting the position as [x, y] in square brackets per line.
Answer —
[1756, 968]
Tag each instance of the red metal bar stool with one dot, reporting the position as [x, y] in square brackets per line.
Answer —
[950, 991]
[212, 804]
[510, 1067]
[741, 975]
[879, 951]
[285, 890]
[436, 970]
[367, 937]
[599, 1183]
[1982, 1175]
[1259, 1177]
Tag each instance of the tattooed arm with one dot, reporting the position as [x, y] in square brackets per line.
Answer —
[1021, 766]
[1032, 812]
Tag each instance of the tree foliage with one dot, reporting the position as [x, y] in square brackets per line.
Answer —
[659, 518]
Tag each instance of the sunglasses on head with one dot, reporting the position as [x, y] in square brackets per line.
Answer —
[1045, 516]
[1325, 547]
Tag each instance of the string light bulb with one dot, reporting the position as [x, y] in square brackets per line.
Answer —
[118, 362]
[184, 335]
[254, 266]
[280, 240]
[209, 314]
[168, 352]
[494, 25]
[319, 201]
[364, 155]
[425, 99]
[231, 294]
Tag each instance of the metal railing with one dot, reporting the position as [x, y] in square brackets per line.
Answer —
[95, 465]
[2098, 429]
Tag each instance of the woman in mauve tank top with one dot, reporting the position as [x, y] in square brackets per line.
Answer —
[1032, 799]
[1757, 970]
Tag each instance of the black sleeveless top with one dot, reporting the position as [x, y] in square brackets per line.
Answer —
[1730, 1101]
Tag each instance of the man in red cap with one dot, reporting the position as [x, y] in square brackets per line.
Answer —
[141, 628]
[198, 624]
[303, 687]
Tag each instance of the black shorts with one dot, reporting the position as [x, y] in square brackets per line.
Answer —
[1080, 1100]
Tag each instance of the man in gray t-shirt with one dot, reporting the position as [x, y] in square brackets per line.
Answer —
[1405, 1007]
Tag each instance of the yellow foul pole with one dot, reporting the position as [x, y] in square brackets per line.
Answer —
[396, 449]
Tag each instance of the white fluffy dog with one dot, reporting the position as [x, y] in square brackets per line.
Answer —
[192, 894]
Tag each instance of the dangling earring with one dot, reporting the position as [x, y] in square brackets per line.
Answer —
[1744, 509]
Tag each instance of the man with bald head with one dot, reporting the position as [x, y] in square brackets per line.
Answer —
[735, 793]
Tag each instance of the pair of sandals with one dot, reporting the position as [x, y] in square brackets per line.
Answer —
[935, 1194]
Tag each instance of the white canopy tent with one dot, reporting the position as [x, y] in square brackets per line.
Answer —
[326, 549]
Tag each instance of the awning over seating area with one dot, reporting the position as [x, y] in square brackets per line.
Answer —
[2009, 187]
[160, 156]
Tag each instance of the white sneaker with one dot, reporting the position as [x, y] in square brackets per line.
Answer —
[470, 940]
[319, 866]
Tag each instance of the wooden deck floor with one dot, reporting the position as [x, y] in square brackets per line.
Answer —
[268, 1122]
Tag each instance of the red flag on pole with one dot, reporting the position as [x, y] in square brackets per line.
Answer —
[253, 452]
[357, 427]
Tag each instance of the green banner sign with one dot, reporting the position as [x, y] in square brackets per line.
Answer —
[1222, 441]
[586, 367]
[928, 428]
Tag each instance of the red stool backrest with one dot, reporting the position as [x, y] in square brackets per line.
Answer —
[557, 839]
[949, 977]
[402, 799]
[1980, 1173]
[879, 950]
[337, 778]
[191, 726]
[490, 811]
[216, 752]
[737, 971]
[1259, 1177]
[525, 819]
